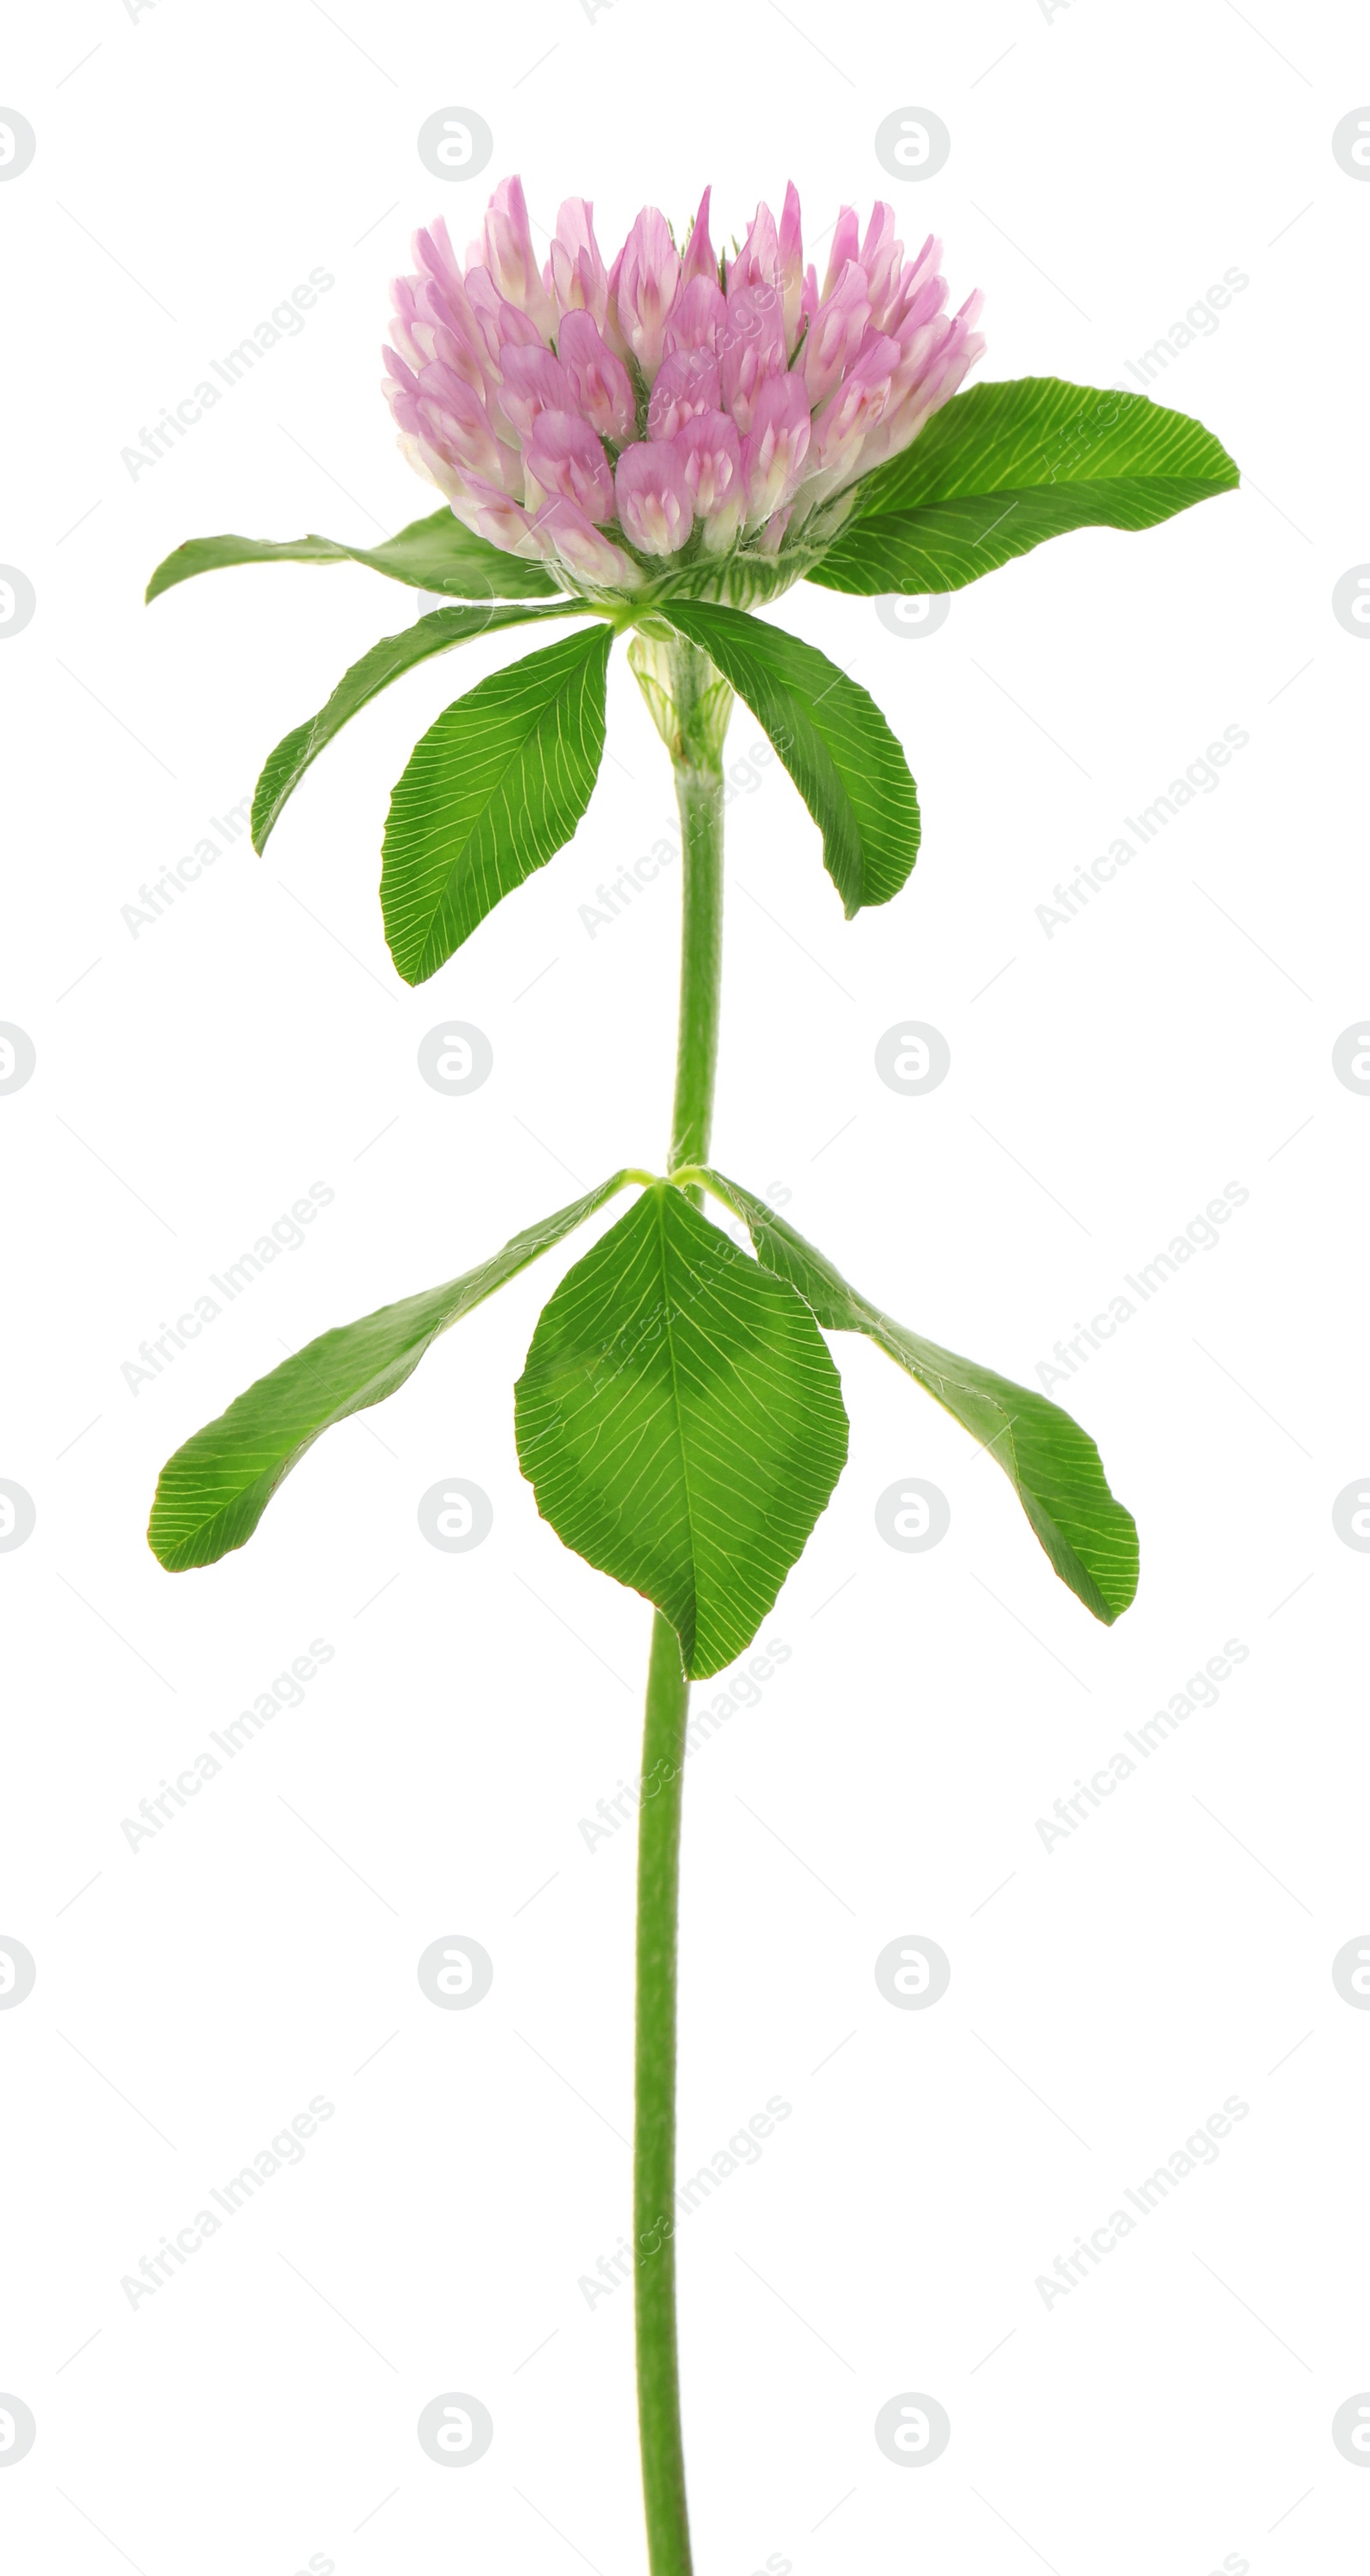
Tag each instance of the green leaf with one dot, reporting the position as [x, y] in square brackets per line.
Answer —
[430, 554]
[833, 740]
[681, 1422]
[999, 469]
[491, 792]
[385, 662]
[1051, 1463]
[212, 1494]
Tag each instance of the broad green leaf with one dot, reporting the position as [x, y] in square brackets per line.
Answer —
[375, 671]
[681, 1422]
[1051, 1463]
[212, 1494]
[833, 740]
[430, 554]
[1002, 467]
[491, 792]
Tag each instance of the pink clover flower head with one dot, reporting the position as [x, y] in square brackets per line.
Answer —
[667, 419]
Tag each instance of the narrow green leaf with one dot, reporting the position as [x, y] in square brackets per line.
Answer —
[833, 740]
[999, 469]
[491, 792]
[430, 554]
[385, 662]
[212, 1494]
[1051, 1463]
[681, 1422]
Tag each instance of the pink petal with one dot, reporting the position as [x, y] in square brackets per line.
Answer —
[590, 555]
[485, 300]
[710, 456]
[563, 455]
[882, 258]
[699, 258]
[579, 279]
[655, 504]
[499, 519]
[534, 381]
[751, 345]
[603, 388]
[507, 243]
[446, 414]
[840, 429]
[758, 261]
[687, 383]
[846, 236]
[775, 447]
[835, 332]
[698, 318]
[791, 246]
[647, 280]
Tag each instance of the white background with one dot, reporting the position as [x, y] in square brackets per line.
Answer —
[1107, 1995]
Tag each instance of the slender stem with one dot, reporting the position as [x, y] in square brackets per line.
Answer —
[658, 1883]
[699, 796]
[699, 705]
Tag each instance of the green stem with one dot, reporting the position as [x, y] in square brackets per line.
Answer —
[658, 1884]
[699, 798]
[695, 705]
